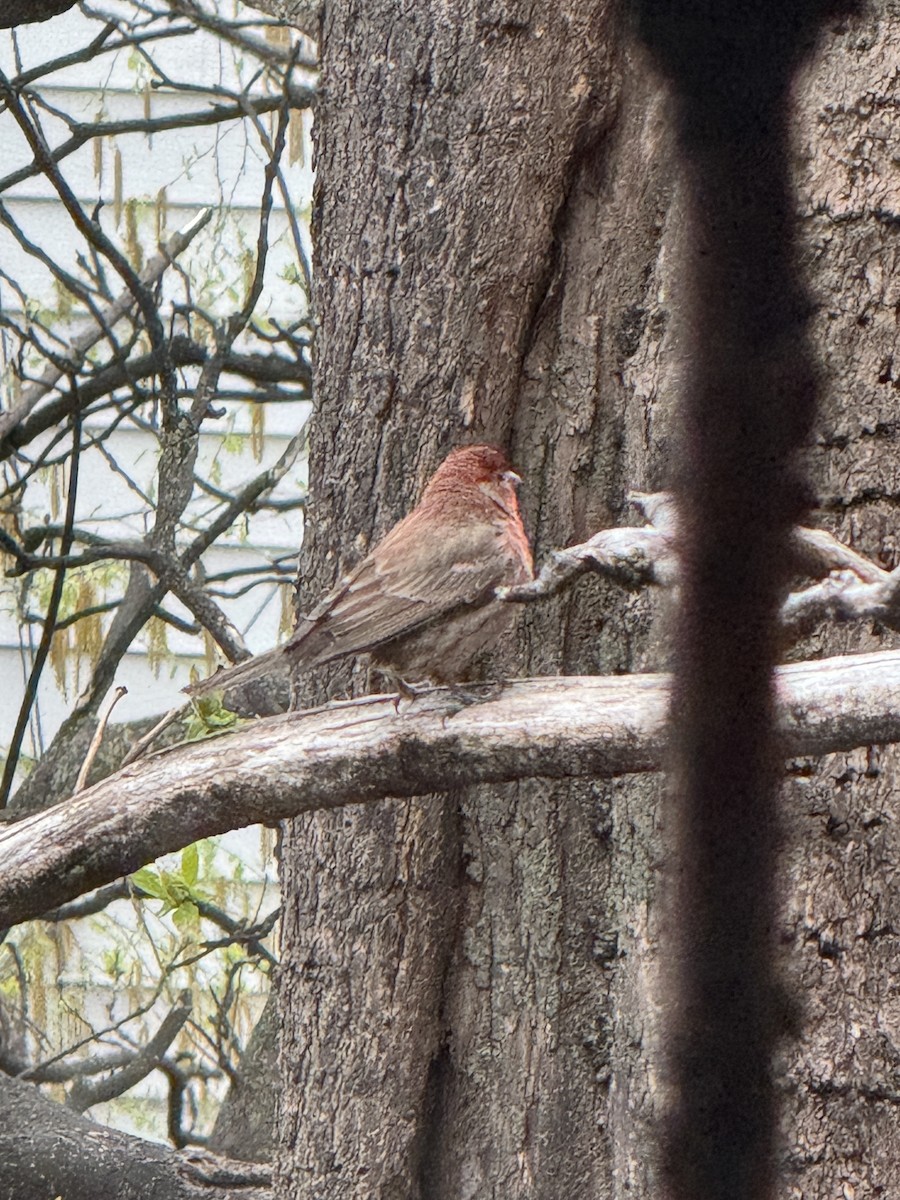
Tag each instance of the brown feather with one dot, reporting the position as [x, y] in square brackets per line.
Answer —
[422, 601]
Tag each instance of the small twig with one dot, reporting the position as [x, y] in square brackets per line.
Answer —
[237, 932]
[142, 745]
[43, 650]
[84, 1095]
[97, 739]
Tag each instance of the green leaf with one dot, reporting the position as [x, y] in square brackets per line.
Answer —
[148, 881]
[210, 716]
[190, 861]
[186, 915]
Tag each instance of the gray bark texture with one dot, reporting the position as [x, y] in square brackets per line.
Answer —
[463, 1007]
[359, 751]
[47, 1152]
[470, 998]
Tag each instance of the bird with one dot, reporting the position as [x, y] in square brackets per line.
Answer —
[422, 603]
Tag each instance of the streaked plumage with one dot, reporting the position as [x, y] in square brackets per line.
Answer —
[422, 601]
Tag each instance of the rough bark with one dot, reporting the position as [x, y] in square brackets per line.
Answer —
[497, 237]
[245, 1124]
[841, 912]
[26, 12]
[489, 210]
[48, 1151]
[561, 728]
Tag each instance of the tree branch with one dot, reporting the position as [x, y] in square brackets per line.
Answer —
[47, 1150]
[855, 589]
[84, 1094]
[89, 336]
[261, 369]
[360, 751]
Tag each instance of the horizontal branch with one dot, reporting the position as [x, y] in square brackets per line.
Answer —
[855, 588]
[363, 750]
[260, 369]
[48, 1150]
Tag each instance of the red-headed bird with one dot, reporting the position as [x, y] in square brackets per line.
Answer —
[422, 602]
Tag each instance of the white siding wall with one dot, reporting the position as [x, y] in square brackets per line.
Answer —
[218, 165]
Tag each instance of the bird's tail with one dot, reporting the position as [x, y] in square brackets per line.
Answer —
[270, 665]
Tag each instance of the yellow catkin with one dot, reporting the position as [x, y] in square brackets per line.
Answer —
[117, 186]
[286, 624]
[209, 652]
[132, 241]
[157, 644]
[296, 141]
[162, 212]
[257, 430]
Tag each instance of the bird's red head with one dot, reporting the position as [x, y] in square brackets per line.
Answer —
[480, 464]
[476, 483]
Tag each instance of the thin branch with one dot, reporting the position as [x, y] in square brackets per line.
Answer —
[82, 342]
[361, 751]
[268, 52]
[267, 368]
[143, 744]
[84, 1094]
[856, 588]
[123, 889]
[238, 934]
[97, 739]
[170, 572]
[43, 650]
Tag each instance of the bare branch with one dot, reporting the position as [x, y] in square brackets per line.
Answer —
[843, 597]
[260, 368]
[83, 341]
[171, 573]
[47, 1149]
[266, 51]
[84, 1094]
[631, 557]
[363, 750]
[857, 588]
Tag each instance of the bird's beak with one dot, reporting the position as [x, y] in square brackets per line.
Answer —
[511, 477]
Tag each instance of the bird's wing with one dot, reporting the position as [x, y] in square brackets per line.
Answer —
[411, 578]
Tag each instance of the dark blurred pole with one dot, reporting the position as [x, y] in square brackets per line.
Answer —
[748, 403]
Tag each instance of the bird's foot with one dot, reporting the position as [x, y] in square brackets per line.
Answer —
[475, 693]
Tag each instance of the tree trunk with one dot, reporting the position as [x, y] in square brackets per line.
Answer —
[842, 910]
[448, 985]
[468, 991]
